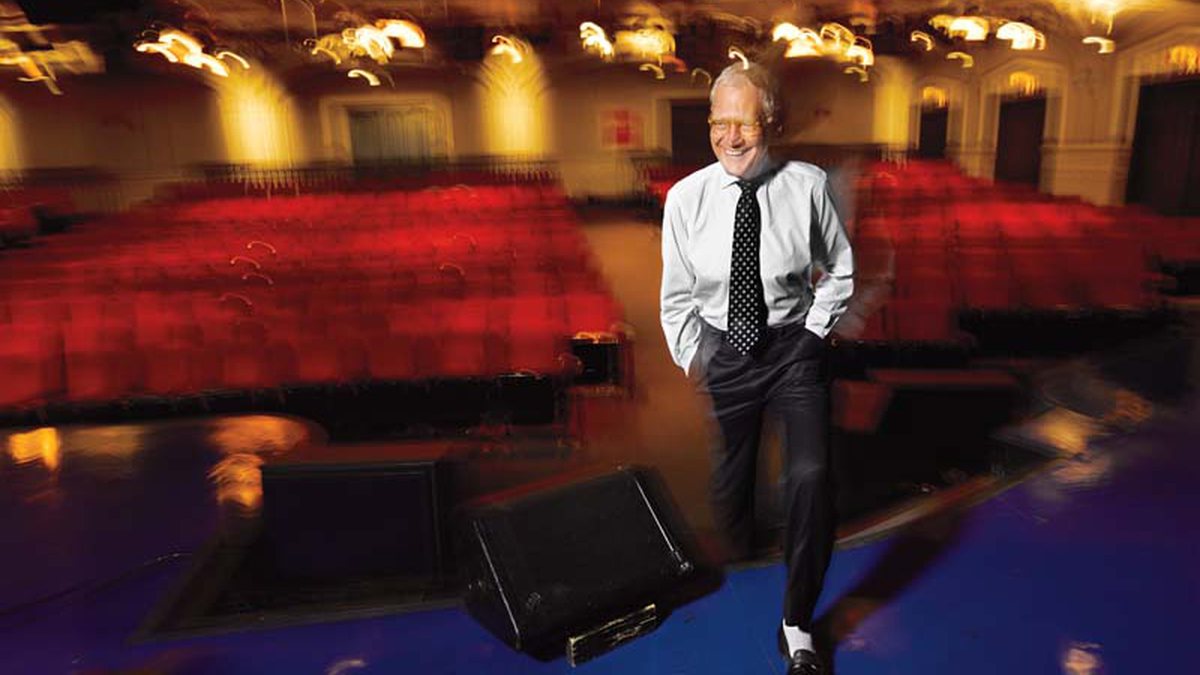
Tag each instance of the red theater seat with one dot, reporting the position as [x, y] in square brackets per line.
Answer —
[319, 360]
[932, 286]
[399, 356]
[916, 321]
[31, 365]
[101, 362]
[983, 289]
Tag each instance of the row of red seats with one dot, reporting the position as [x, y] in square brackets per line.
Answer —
[23, 207]
[162, 352]
[104, 312]
[926, 200]
[240, 183]
[1097, 273]
[161, 228]
[999, 254]
[464, 256]
[554, 240]
[321, 208]
[995, 222]
[17, 224]
[578, 310]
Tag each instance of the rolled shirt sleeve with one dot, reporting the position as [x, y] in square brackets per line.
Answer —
[833, 255]
[676, 309]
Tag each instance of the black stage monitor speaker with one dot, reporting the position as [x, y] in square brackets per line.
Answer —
[340, 521]
[581, 566]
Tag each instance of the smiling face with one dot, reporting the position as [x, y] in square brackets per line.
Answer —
[736, 133]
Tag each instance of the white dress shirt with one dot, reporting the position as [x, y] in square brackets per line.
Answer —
[801, 231]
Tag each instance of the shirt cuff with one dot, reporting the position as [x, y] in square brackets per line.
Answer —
[687, 356]
[818, 327]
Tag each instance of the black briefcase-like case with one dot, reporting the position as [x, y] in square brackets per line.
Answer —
[581, 566]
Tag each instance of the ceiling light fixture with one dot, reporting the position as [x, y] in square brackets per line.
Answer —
[179, 47]
[596, 40]
[833, 40]
[510, 46]
[407, 33]
[968, 61]
[658, 72]
[735, 53]
[226, 54]
[1106, 45]
[923, 38]
[969, 28]
[1022, 36]
[371, 78]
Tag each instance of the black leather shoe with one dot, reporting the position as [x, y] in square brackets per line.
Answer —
[803, 662]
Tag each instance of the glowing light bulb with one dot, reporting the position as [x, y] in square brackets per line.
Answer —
[650, 67]
[923, 38]
[1106, 45]
[507, 46]
[407, 33]
[967, 60]
[735, 53]
[370, 77]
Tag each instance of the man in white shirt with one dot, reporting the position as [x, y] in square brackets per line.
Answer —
[741, 240]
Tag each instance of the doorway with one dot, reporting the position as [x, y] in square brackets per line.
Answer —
[689, 133]
[1164, 168]
[932, 139]
[1019, 141]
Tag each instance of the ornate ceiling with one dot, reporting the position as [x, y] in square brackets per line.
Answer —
[284, 31]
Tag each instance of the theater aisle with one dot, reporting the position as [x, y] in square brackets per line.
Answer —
[663, 422]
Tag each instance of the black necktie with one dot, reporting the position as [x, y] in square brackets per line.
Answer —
[747, 309]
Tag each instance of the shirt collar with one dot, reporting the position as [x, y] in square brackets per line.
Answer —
[761, 172]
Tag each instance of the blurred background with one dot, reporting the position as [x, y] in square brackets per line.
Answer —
[239, 237]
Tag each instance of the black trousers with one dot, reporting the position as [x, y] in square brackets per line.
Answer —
[785, 377]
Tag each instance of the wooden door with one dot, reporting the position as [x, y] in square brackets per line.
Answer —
[1019, 142]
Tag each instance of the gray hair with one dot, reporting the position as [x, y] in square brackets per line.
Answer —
[757, 76]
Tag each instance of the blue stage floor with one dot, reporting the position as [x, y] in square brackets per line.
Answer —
[1088, 566]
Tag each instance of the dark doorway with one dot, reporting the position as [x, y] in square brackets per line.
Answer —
[689, 133]
[932, 143]
[1019, 142]
[1164, 169]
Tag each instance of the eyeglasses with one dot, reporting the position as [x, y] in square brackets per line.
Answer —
[722, 126]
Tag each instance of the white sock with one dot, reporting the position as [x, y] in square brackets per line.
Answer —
[796, 638]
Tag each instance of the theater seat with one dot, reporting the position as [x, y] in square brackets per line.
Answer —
[31, 363]
[986, 290]
[103, 367]
[915, 321]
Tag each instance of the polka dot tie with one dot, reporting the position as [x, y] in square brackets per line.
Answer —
[747, 309]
